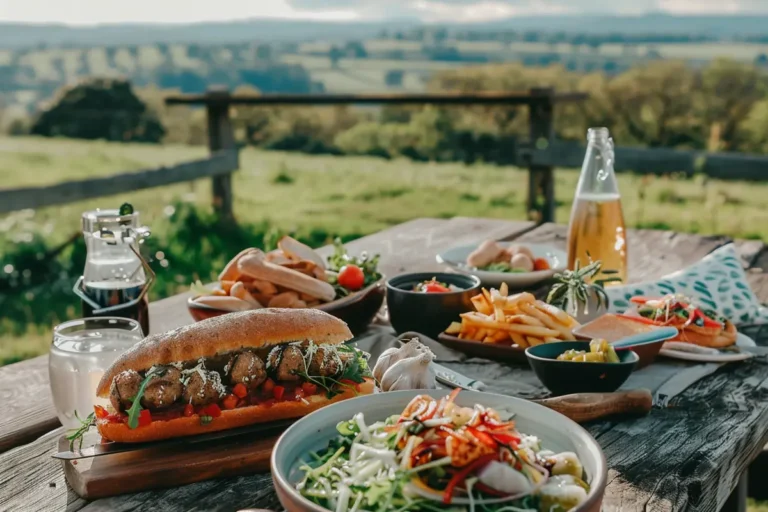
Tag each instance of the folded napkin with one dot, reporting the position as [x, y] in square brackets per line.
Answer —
[717, 282]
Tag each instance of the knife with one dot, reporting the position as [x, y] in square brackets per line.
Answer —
[453, 379]
[98, 450]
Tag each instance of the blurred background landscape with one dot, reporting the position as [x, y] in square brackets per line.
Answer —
[82, 95]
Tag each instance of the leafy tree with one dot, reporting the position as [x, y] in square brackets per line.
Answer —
[356, 50]
[335, 54]
[100, 109]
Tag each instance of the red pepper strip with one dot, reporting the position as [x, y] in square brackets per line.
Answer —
[640, 319]
[449, 432]
[416, 413]
[461, 475]
[483, 437]
[639, 299]
[489, 490]
[430, 412]
[453, 395]
[506, 439]
[708, 322]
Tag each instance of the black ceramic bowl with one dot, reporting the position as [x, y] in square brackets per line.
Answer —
[428, 313]
[565, 377]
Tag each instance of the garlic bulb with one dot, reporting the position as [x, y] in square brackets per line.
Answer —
[392, 355]
[410, 373]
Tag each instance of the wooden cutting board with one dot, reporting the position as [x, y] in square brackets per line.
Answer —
[121, 473]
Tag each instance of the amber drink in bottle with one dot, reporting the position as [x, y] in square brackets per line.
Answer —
[596, 229]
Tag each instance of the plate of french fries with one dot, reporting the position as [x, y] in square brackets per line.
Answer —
[292, 276]
[503, 326]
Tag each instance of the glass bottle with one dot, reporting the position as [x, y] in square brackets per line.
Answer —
[596, 228]
[116, 278]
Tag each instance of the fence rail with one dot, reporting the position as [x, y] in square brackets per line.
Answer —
[541, 153]
[222, 163]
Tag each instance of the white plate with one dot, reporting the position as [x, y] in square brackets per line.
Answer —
[742, 340]
[456, 258]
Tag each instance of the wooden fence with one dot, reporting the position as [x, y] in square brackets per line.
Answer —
[540, 153]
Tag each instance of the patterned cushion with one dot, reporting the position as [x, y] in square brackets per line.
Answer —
[716, 282]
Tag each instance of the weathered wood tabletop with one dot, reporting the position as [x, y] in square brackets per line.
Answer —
[688, 456]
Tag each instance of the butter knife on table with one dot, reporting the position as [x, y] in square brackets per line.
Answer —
[453, 379]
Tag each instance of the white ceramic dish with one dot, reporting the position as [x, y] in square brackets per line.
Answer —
[456, 258]
[704, 354]
[313, 432]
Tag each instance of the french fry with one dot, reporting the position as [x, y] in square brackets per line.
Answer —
[487, 295]
[489, 339]
[551, 340]
[481, 304]
[481, 334]
[503, 290]
[533, 341]
[484, 322]
[561, 316]
[519, 339]
[550, 322]
[520, 298]
[454, 328]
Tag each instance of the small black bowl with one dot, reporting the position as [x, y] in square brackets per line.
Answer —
[565, 377]
[428, 313]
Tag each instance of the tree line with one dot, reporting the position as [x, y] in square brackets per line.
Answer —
[720, 107]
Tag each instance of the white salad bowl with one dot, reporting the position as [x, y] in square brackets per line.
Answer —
[313, 432]
[456, 259]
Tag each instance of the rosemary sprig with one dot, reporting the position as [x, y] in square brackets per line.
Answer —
[76, 434]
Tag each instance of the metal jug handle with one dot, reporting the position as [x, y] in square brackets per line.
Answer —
[97, 309]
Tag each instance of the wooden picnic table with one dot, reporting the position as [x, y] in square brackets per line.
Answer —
[689, 456]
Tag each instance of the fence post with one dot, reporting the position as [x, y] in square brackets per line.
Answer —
[541, 180]
[220, 136]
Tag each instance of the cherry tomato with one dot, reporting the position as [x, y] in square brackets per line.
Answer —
[230, 402]
[309, 388]
[189, 410]
[278, 392]
[351, 277]
[268, 386]
[240, 391]
[541, 264]
[100, 412]
[433, 287]
[145, 418]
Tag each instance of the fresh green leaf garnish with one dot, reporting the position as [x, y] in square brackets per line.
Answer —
[126, 209]
[198, 289]
[502, 266]
[135, 410]
[76, 434]
[340, 257]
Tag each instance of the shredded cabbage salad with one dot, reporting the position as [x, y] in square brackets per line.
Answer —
[438, 456]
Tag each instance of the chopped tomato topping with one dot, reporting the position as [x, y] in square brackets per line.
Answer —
[100, 412]
[240, 391]
[213, 410]
[278, 392]
[268, 386]
[433, 287]
[309, 388]
[230, 402]
[189, 410]
[268, 403]
[145, 418]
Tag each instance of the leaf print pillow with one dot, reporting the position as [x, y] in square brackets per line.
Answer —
[716, 282]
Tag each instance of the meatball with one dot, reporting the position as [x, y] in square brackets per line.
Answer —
[325, 362]
[284, 362]
[203, 388]
[125, 387]
[163, 389]
[247, 368]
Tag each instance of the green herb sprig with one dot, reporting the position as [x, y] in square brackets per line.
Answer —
[75, 435]
[574, 289]
[135, 410]
[355, 369]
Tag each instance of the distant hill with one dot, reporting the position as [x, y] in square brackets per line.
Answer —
[15, 35]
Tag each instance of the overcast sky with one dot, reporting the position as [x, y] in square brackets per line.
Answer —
[87, 12]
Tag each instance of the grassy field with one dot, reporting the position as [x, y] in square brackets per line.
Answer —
[350, 195]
